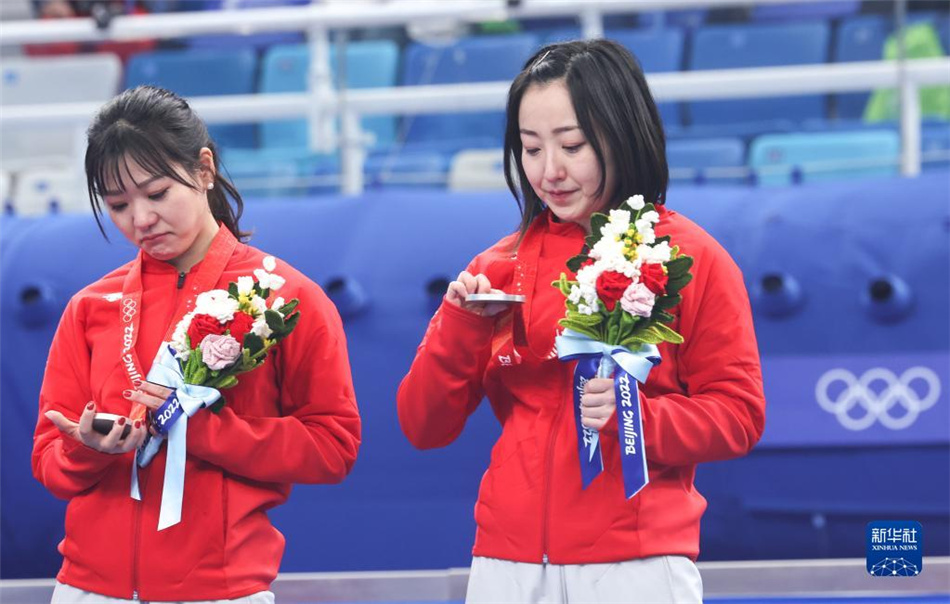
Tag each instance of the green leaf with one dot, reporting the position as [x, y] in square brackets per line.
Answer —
[667, 302]
[673, 286]
[288, 308]
[233, 290]
[667, 333]
[228, 381]
[200, 375]
[290, 323]
[591, 320]
[563, 284]
[679, 266]
[274, 321]
[597, 222]
[574, 264]
[580, 328]
[253, 343]
[659, 315]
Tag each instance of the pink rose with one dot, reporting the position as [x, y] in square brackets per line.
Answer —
[218, 351]
[636, 300]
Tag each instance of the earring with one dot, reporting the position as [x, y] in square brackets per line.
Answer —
[210, 185]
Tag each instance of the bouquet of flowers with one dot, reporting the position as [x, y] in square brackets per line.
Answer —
[627, 279]
[230, 332]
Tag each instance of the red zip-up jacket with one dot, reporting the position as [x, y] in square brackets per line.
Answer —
[704, 402]
[292, 420]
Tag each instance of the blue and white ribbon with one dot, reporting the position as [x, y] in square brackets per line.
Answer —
[171, 420]
[599, 359]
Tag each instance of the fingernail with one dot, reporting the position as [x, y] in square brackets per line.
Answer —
[90, 406]
[138, 424]
[127, 393]
[121, 421]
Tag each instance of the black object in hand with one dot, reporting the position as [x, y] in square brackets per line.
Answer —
[102, 423]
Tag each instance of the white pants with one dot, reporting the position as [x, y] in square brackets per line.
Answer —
[657, 580]
[67, 594]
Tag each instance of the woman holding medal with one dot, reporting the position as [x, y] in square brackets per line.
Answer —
[584, 135]
[292, 420]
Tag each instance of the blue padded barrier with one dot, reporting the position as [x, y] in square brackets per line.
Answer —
[386, 257]
[741, 46]
[201, 73]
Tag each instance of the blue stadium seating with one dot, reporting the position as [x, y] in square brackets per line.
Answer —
[658, 50]
[259, 42]
[739, 46]
[201, 73]
[859, 39]
[697, 156]
[286, 69]
[687, 19]
[478, 59]
[805, 10]
[780, 159]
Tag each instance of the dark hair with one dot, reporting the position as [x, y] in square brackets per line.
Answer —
[614, 108]
[159, 131]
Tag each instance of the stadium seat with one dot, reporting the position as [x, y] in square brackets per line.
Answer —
[859, 39]
[781, 159]
[935, 146]
[91, 78]
[657, 50]
[688, 19]
[742, 46]
[259, 42]
[42, 191]
[195, 73]
[478, 59]
[286, 69]
[477, 170]
[707, 161]
[805, 10]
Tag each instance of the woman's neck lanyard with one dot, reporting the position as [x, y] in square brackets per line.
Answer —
[209, 273]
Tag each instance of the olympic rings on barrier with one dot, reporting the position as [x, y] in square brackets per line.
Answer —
[877, 405]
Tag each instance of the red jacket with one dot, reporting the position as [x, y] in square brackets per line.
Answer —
[292, 420]
[704, 402]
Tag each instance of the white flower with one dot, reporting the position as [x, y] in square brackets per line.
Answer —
[179, 341]
[269, 280]
[588, 275]
[617, 225]
[636, 202]
[586, 310]
[270, 264]
[260, 328]
[245, 285]
[655, 254]
[277, 304]
[608, 249]
[216, 303]
[575, 295]
[651, 217]
[259, 305]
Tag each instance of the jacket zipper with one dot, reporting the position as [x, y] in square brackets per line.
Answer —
[549, 471]
[181, 279]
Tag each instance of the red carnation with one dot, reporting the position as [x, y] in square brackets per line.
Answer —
[654, 278]
[610, 287]
[202, 325]
[240, 325]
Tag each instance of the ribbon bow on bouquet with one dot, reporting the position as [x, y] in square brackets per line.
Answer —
[627, 279]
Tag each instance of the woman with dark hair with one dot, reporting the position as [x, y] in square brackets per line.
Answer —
[294, 419]
[584, 135]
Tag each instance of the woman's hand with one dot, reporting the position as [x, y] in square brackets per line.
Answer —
[151, 395]
[473, 284]
[598, 403]
[111, 443]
